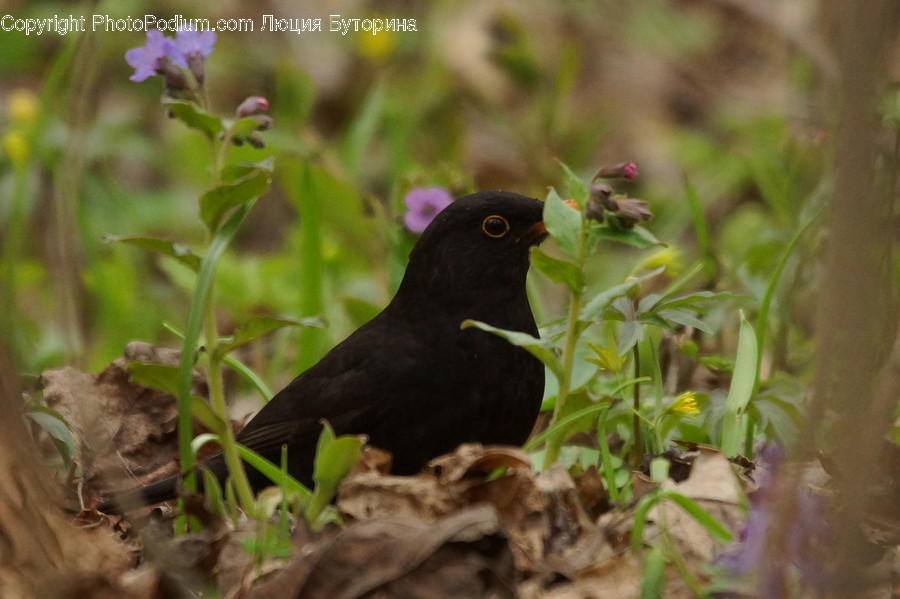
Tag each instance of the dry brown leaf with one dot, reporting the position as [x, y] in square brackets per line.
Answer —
[463, 555]
[121, 426]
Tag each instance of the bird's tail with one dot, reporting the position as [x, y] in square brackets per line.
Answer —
[157, 492]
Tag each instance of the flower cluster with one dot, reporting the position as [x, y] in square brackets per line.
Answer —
[161, 55]
[621, 212]
[181, 62]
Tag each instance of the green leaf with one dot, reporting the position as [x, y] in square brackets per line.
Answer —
[607, 460]
[695, 301]
[335, 457]
[558, 271]
[53, 423]
[263, 325]
[701, 228]
[273, 472]
[632, 333]
[243, 127]
[250, 376]
[539, 348]
[199, 441]
[780, 418]
[564, 223]
[647, 303]
[201, 411]
[637, 236]
[194, 117]
[267, 468]
[743, 382]
[640, 518]
[575, 184]
[179, 252]
[712, 526]
[235, 364]
[684, 318]
[762, 323]
[363, 128]
[233, 172]
[653, 580]
[156, 376]
[659, 470]
[593, 311]
[563, 424]
[213, 491]
[243, 189]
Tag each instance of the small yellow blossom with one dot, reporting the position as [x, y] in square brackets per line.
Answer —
[23, 106]
[606, 359]
[685, 404]
[16, 147]
[379, 46]
[670, 257]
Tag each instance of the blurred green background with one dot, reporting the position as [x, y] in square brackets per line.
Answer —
[725, 111]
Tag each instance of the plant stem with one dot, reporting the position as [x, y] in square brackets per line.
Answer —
[219, 407]
[637, 451]
[609, 471]
[573, 331]
[219, 150]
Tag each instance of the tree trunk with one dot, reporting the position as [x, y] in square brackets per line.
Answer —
[43, 554]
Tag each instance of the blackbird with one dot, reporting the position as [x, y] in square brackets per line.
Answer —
[411, 379]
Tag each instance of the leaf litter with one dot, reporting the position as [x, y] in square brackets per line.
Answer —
[479, 522]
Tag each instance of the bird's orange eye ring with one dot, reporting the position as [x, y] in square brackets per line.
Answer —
[495, 226]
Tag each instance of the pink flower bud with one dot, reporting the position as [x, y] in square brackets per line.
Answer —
[623, 170]
[252, 105]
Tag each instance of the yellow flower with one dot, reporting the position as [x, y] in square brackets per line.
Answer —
[670, 257]
[23, 106]
[379, 46]
[16, 147]
[606, 359]
[685, 404]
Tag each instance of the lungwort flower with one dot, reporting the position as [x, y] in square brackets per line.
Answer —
[157, 56]
[190, 49]
[190, 43]
[422, 205]
[147, 60]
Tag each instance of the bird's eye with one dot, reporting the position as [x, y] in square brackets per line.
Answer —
[495, 226]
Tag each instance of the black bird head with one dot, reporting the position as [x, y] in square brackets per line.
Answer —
[479, 242]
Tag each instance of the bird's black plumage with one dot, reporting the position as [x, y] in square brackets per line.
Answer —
[411, 379]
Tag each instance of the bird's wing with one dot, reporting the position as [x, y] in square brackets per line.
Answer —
[349, 387]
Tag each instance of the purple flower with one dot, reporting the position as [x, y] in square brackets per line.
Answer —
[146, 59]
[807, 537]
[190, 49]
[422, 205]
[190, 43]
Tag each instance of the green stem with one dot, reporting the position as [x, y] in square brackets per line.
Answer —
[573, 330]
[637, 450]
[609, 471]
[219, 407]
[12, 251]
[203, 317]
[219, 150]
